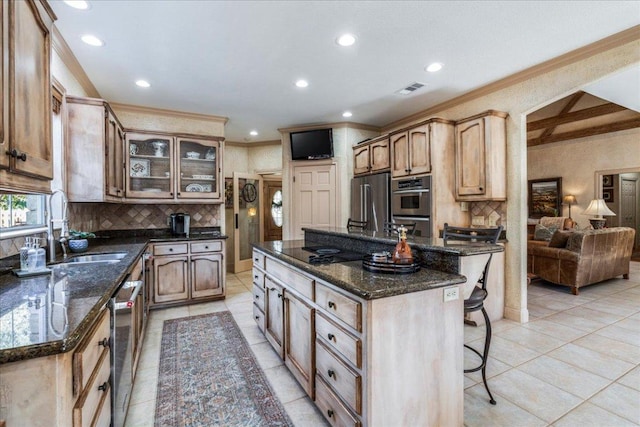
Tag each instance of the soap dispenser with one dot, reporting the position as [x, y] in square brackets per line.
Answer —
[41, 257]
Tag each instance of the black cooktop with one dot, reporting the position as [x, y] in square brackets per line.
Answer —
[322, 254]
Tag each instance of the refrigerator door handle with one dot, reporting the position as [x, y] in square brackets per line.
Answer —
[366, 202]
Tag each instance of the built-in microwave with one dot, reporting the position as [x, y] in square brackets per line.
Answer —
[411, 197]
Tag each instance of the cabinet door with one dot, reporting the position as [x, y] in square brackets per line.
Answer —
[360, 159]
[274, 328]
[4, 122]
[206, 275]
[299, 342]
[149, 166]
[198, 166]
[470, 158]
[379, 155]
[30, 91]
[115, 158]
[171, 279]
[400, 155]
[419, 150]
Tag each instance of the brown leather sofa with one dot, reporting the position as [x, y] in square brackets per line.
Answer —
[590, 256]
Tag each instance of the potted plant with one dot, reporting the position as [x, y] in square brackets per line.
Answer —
[78, 240]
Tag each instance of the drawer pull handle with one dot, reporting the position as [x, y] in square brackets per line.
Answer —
[272, 289]
[330, 413]
[257, 296]
[331, 337]
[255, 277]
[331, 304]
[104, 342]
[331, 373]
[104, 386]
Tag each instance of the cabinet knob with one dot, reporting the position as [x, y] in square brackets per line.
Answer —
[257, 296]
[255, 277]
[170, 249]
[480, 188]
[272, 289]
[330, 413]
[104, 386]
[331, 304]
[279, 295]
[104, 342]
[206, 247]
[257, 317]
[17, 155]
[331, 337]
[178, 193]
[331, 373]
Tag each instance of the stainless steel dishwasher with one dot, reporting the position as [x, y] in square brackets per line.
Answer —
[126, 307]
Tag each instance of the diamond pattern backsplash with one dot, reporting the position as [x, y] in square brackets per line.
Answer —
[493, 212]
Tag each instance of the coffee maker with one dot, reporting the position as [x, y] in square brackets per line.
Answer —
[179, 224]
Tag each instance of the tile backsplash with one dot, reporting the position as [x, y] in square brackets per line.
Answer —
[490, 213]
[112, 216]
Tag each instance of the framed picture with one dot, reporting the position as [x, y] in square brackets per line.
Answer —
[607, 195]
[607, 181]
[545, 197]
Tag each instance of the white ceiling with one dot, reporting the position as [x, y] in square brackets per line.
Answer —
[240, 59]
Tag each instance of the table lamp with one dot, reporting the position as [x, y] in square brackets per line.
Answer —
[598, 208]
[569, 199]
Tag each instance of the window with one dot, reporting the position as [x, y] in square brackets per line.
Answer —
[276, 208]
[21, 212]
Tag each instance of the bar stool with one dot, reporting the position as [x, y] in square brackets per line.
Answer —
[475, 302]
[392, 227]
[353, 224]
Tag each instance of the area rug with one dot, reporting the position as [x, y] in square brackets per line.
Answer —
[208, 376]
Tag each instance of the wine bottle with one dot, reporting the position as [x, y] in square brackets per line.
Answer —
[402, 253]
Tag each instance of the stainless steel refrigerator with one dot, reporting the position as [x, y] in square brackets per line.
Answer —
[370, 200]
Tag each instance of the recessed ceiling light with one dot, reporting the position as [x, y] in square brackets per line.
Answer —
[346, 40]
[347, 114]
[436, 66]
[253, 133]
[77, 4]
[143, 83]
[92, 40]
[302, 83]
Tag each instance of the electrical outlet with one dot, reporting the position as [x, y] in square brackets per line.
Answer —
[451, 293]
[477, 220]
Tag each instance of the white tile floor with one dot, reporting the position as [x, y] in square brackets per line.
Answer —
[576, 363]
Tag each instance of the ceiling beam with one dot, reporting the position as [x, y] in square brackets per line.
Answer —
[587, 113]
[582, 133]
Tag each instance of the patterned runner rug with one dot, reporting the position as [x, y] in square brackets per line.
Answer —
[208, 376]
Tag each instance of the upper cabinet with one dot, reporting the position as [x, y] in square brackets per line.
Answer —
[167, 167]
[372, 156]
[411, 152]
[26, 156]
[481, 157]
[95, 161]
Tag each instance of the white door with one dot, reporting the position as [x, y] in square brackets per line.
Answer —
[314, 197]
[628, 205]
[247, 218]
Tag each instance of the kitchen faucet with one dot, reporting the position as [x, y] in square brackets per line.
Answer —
[64, 231]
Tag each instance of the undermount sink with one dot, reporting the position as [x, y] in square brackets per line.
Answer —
[110, 258]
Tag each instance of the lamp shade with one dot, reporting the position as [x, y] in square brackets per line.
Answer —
[598, 207]
[569, 199]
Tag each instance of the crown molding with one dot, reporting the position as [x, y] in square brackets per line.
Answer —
[619, 39]
[69, 59]
[170, 113]
[336, 125]
[253, 144]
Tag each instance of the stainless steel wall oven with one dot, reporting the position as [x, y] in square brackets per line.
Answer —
[411, 202]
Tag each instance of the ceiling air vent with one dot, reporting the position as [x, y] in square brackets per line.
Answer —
[411, 88]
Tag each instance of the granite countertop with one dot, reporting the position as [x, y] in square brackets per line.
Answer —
[351, 277]
[50, 314]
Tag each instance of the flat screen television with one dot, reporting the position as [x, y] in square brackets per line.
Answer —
[312, 144]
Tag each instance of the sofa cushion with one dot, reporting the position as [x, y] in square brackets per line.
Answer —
[543, 232]
[560, 239]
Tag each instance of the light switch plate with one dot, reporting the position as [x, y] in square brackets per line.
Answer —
[477, 220]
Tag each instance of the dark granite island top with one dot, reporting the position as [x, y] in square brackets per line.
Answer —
[351, 277]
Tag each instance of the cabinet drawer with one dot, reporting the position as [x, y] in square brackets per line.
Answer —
[344, 308]
[345, 381]
[85, 358]
[339, 340]
[333, 410]
[290, 278]
[258, 259]
[258, 316]
[103, 416]
[172, 249]
[258, 296]
[93, 395]
[209, 246]
[258, 278]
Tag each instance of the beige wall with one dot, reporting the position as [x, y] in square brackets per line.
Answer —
[61, 72]
[577, 161]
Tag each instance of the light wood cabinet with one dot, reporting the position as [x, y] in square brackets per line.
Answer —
[411, 152]
[274, 316]
[372, 156]
[26, 158]
[299, 340]
[481, 157]
[160, 166]
[184, 272]
[95, 161]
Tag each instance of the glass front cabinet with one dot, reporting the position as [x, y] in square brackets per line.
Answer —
[165, 167]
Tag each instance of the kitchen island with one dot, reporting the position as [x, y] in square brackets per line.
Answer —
[370, 349]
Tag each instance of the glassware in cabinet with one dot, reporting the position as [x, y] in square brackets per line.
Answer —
[198, 163]
[149, 167]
